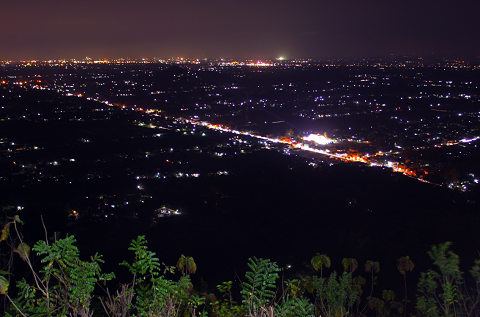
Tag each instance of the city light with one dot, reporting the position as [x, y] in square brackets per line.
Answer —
[318, 138]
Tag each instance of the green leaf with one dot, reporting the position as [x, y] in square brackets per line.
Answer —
[257, 291]
[186, 264]
[405, 264]
[388, 295]
[5, 232]
[359, 280]
[17, 219]
[350, 264]
[319, 260]
[23, 250]
[371, 265]
[3, 285]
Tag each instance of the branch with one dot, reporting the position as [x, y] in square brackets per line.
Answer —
[35, 276]
[44, 228]
[11, 301]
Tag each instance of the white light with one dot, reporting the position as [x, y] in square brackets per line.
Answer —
[320, 139]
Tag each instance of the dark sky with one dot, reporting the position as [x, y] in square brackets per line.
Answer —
[53, 29]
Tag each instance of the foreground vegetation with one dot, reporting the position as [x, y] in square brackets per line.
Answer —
[63, 285]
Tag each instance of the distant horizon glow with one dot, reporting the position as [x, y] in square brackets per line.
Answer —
[238, 30]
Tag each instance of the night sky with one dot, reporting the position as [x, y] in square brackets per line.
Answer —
[261, 29]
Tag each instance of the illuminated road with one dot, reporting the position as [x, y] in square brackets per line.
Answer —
[344, 157]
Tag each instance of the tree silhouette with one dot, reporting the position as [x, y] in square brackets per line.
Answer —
[350, 264]
[372, 267]
[318, 261]
[404, 264]
[186, 265]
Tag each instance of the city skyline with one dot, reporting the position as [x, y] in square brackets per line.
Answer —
[242, 30]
